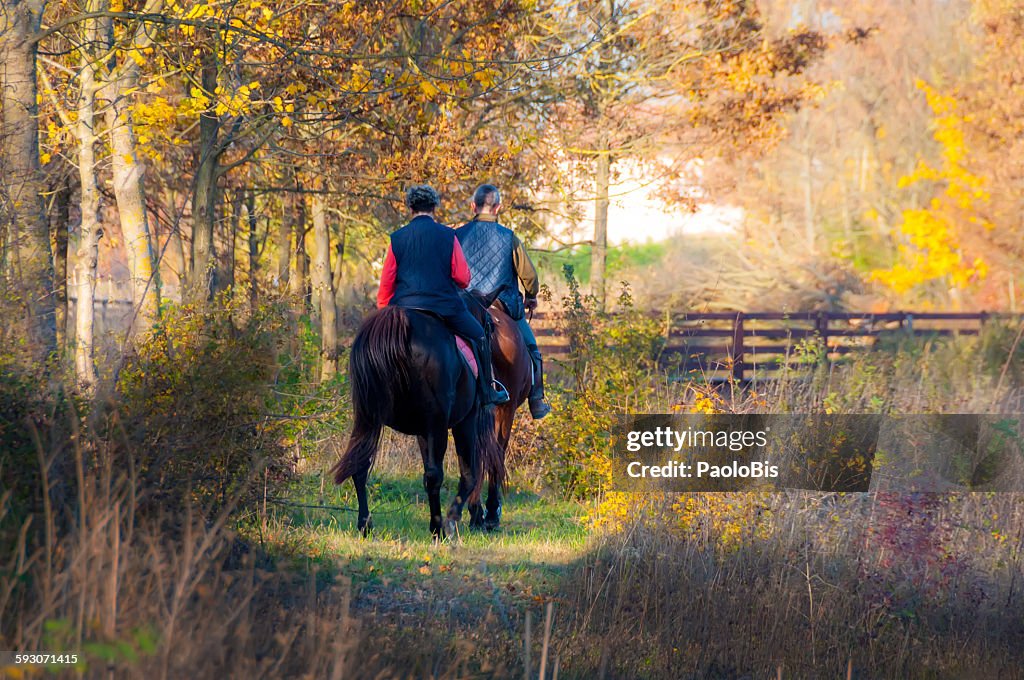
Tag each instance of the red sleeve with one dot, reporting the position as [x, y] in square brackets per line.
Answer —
[460, 268]
[387, 280]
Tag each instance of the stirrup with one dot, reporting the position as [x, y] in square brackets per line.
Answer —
[499, 394]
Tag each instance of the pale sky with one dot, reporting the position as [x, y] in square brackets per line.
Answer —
[635, 216]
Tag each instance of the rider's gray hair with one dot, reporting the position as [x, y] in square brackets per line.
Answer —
[422, 198]
[486, 195]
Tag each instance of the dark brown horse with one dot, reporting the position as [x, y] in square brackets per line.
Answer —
[406, 374]
[513, 368]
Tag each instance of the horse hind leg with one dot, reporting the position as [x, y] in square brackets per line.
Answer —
[492, 520]
[365, 522]
[465, 441]
[476, 515]
[356, 463]
[432, 448]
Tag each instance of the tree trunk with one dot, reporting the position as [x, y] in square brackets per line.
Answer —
[22, 174]
[177, 245]
[228, 262]
[599, 251]
[339, 260]
[204, 197]
[90, 232]
[298, 281]
[284, 243]
[254, 250]
[809, 218]
[61, 227]
[129, 192]
[325, 290]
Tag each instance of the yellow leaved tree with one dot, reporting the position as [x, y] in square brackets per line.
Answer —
[931, 258]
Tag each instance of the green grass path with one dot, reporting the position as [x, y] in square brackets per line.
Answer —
[401, 576]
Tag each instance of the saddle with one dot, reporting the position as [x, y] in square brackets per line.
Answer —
[467, 355]
[461, 346]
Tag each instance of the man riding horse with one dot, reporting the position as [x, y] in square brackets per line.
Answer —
[498, 261]
[424, 269]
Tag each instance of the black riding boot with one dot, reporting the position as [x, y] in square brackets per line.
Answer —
[538, 407]
[489, 395]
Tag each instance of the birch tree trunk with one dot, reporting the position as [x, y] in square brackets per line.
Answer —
[22, 174]
[129, 192]
[89, 233]
[325, 290]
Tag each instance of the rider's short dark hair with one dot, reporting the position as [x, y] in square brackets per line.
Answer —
[486, 194]
[422, 198]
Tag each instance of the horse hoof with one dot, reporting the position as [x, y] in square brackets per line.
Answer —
[492, 526]
[451, 530]
[366, 528]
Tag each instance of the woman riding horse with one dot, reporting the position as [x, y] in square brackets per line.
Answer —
[406, 372]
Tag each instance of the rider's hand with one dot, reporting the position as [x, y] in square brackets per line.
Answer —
[530, 304]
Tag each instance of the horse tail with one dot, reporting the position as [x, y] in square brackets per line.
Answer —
[378, 372]
[489, 453]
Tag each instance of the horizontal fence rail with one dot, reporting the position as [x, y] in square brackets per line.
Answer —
[731, 344]
[724, 345]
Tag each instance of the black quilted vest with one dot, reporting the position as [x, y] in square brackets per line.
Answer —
[488, 247]
[423, 251]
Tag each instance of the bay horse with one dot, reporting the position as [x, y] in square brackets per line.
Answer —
[514, 369]
[407, 374]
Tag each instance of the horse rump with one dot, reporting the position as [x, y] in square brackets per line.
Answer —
[378, 372]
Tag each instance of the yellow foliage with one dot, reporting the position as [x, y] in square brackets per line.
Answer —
[931, 249]
[725, 519]
[616, 508]
[428, 88]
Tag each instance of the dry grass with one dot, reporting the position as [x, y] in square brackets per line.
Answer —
[816, 592]
[180, 596]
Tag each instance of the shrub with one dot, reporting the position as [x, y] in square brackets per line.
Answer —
[613, 367]
[191, 402]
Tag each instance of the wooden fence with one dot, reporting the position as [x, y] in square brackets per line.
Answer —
[729, 344]
[724, 345]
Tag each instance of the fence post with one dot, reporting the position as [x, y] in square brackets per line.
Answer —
[737, 347]
[821, 326]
